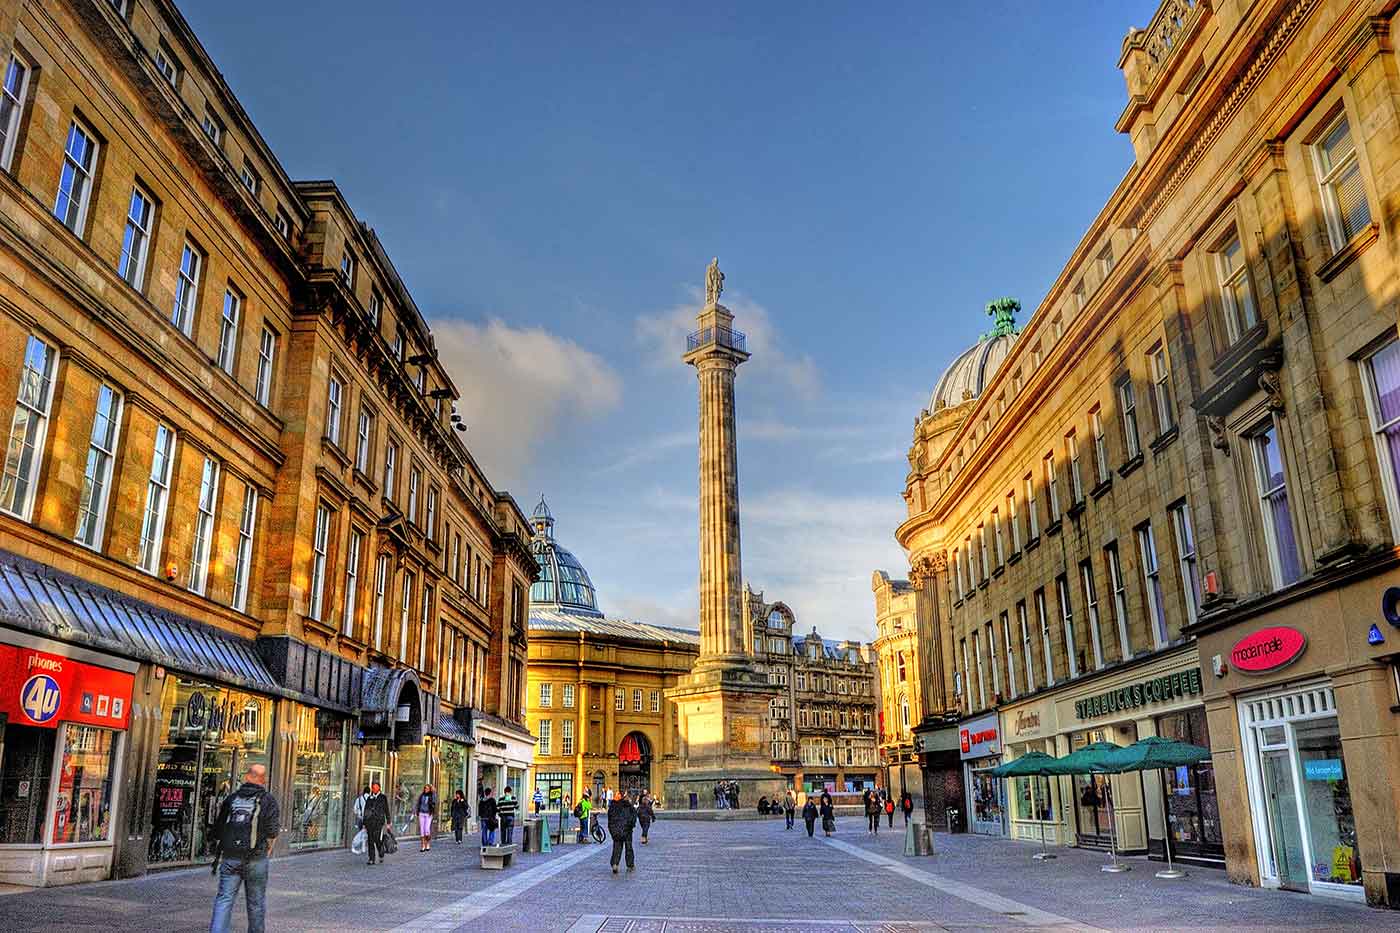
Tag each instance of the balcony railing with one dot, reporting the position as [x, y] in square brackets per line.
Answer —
[723, 336]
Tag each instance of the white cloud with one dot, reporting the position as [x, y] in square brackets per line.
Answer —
[651, 449]
[663, 334]
[516, 385]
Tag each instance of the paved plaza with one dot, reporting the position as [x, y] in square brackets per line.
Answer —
[696, 877]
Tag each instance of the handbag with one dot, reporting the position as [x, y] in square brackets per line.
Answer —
[358, 844]
[390, 844]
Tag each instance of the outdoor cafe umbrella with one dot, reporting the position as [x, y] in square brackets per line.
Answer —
[1093, 759]
[1151, 753]
[1030, 765]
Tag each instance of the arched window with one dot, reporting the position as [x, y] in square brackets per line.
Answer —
[904, 711]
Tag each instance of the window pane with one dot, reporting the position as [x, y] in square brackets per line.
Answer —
[83, 805]
[1353, 211]
[1335, 146]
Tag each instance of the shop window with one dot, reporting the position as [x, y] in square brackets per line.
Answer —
[24, 783]
[82, 809]
[318, 779]
[1193, 813]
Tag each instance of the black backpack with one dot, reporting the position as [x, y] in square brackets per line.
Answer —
[239, 835]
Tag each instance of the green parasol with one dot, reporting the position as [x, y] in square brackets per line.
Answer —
[1154, 752]
[1031, 765]
[1088, 760]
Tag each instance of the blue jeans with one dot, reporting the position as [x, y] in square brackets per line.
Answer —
[507, 829]
[233, 873]
[488, 836]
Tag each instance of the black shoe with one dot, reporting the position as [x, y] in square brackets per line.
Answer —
[614, 868]
[631, 867]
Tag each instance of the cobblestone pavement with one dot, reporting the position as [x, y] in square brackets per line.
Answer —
[704, 877]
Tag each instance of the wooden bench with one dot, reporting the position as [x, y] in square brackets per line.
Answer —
[498, 857]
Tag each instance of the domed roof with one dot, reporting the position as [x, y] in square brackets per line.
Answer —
[563, 583]
[968, 375]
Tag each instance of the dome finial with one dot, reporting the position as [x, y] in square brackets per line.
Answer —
[543, 520]
[1003, 315]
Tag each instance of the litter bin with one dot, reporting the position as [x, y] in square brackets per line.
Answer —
[953, 816]
[694, 801]
[532, 834]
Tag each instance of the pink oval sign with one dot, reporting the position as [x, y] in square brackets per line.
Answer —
[1267, 649]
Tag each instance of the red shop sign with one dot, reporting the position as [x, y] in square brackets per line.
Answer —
[42, 689]
[1267, 649]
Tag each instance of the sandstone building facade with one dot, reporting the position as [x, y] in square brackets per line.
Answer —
[237, 523]
[1170, 507]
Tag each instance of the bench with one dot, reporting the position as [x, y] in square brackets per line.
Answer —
[498, 857]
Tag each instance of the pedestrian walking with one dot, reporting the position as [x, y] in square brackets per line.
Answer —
[828, 814]
[505, 810]
[809, 816]
[426, 807]
[872, 814]
[906, 805]
[461, 812]
[646, 813]
[376, 818]
[538, 800]
[486, 812]
[622, 817]
[245, 828]
[889, 811]
[581, 811]
[360, 807]
[789, 807]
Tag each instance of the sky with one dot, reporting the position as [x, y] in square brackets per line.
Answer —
[551, 179]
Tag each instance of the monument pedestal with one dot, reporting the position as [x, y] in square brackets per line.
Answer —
[722, 715]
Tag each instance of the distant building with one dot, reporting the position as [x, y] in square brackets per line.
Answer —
[897, 608]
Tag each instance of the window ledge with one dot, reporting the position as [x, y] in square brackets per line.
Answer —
[1053, 528]
[370, 485]
[329, 446]
[352, 642]
[1033, 543]
[986, 581]
[1013, 559]
[316, 625]
[1343, 257]
[1164, 440]
[1001, 569]
[1131, 465]
[1077, 509]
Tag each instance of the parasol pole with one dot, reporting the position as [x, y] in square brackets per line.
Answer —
[1170, 872]
[1112, 831]
[1044, 854]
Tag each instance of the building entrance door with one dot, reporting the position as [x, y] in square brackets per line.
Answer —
[634, 764]
[1285, 834]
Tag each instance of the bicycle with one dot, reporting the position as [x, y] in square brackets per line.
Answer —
[595, 830]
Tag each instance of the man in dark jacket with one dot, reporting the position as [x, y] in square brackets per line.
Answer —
[486, 813]
[376, 818]
[245, 828]
[622, 817]
[809, 816]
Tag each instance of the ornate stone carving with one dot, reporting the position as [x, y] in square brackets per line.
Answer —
[1272, 387]
[1218, 439]
[714, 282]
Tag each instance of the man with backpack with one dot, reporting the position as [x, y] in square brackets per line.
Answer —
[245, 829]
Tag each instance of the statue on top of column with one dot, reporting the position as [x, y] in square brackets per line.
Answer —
[714, 282]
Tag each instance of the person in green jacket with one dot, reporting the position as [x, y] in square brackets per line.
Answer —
[581, 811]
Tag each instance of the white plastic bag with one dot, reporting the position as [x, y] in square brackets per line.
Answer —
[357, 845]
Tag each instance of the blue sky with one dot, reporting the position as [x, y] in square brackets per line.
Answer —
[552, 178]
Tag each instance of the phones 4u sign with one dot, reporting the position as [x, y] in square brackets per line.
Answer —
[42, 689]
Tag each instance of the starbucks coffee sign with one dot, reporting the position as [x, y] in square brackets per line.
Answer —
[1161, 689]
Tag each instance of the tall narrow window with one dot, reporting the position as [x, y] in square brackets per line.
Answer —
[97, 473]
[1032, 516]
[967, 561]
[1162, 390]
[1100, 445]
[1339, 175]
[391, 465]
[168, 66]
[334, 390]
[157, 499]
[1131, 442]
[546, 695]
[1091, 610]
[1274, 508]
[204, 525]
[352, 581]
[957, 574]
[347, 269]
[455, 571]
[414, 478]
[376, 308]
[267, 351]
[619, 699]
[1186, 558]
[425, 610]
[213, 128]
[1052, 488]
[319, 545]
[282, 223]
[566, 738]
[1043, 619]
[1105, 258]
[636, 701]
[362, 440]
[430, 514]
[228, 331]
[1120, 600]
[1013, 522]
[1027, 654]
[243, 558]
[656, 701]
[249, 179]
[405, 613]
[136, 239]
[1010, 654]
[1076, 479]
[75, 179]
[381, 595]
[1383, 398]
[982, 551]
[981, 671]
[992, 661]
[1067, 620]
[1235, 296]
[966, 692]
[187, 289]
[12, 108]
[1081, 295]
[545, 728]
[1152, 580]
[568, 696]
[28, 428]
[1000, 543]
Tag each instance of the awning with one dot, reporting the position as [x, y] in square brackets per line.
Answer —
[391, 705]
[39, 599]
[447, 727]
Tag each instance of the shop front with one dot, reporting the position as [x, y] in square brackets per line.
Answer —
[979, 747]
[501, 757]
[319, 792]
[937, 748]
[1034, 812]
[451, 732]
[64, 716]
